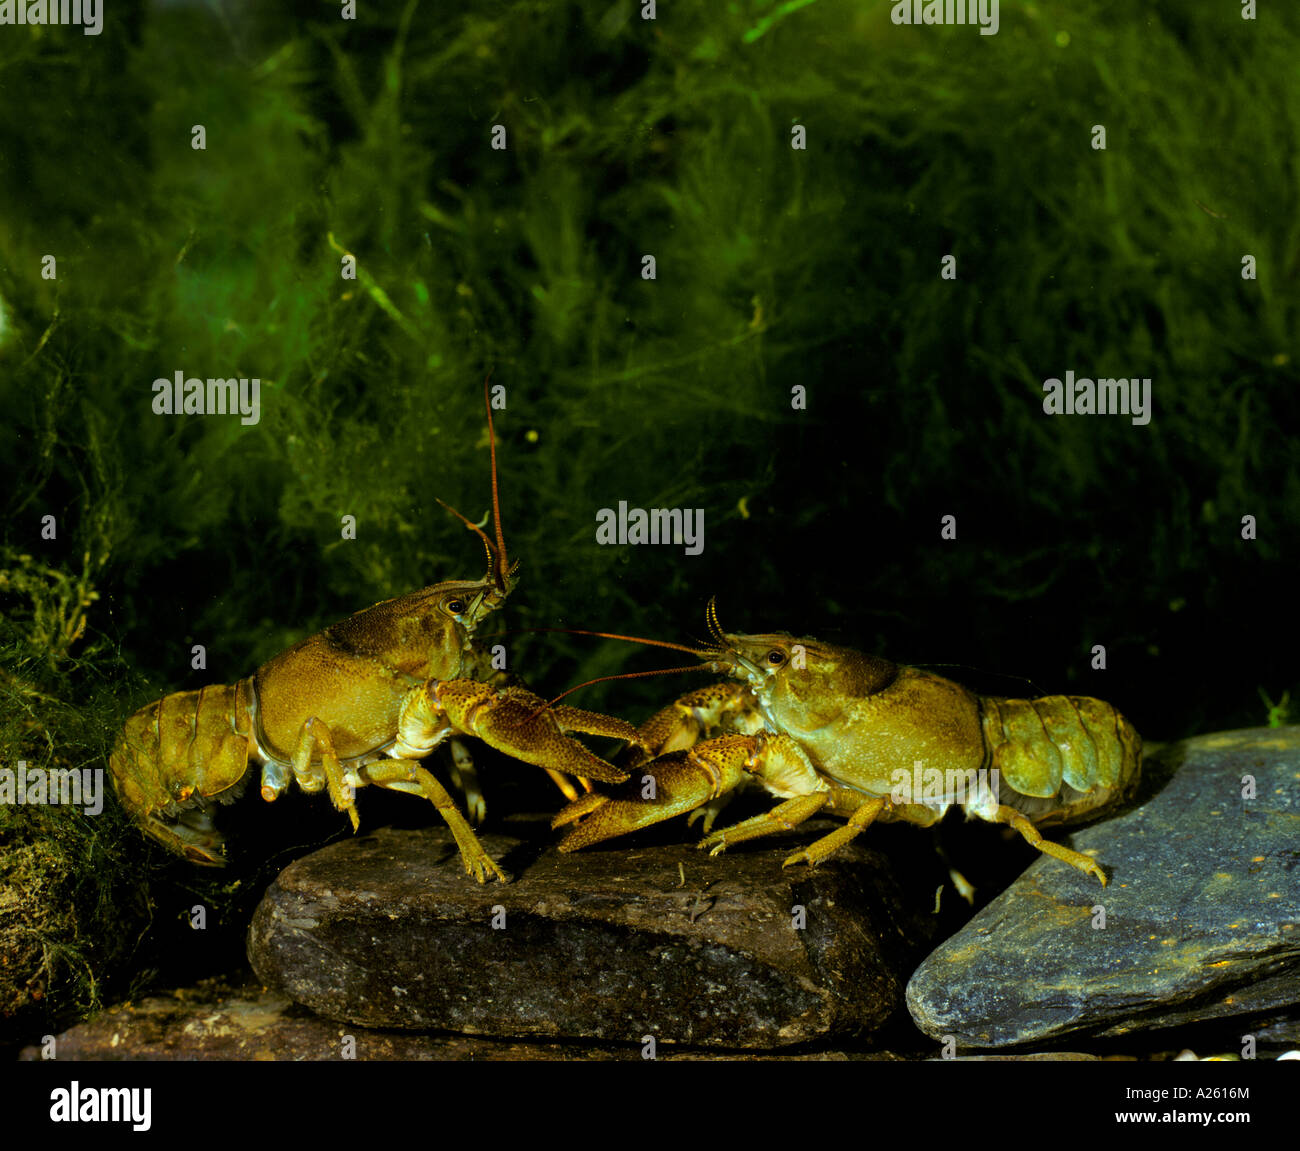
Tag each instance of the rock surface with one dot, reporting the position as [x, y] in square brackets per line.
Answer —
[386, 930]
[1200, 918]
[250, 1023]
[218, 1020]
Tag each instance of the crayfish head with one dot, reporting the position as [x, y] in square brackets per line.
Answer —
[803, 684]
[425, 634]
[461, 605]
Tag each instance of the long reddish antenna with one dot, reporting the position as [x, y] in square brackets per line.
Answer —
[633, 675]
[703, 653]
[700, 653]
[503, 566]
[715, 667]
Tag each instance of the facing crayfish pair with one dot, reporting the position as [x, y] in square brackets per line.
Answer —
[358, 703]
[828, 729]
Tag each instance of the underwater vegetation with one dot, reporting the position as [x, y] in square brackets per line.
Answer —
[129, 254]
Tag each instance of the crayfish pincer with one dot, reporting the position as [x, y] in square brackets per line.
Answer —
[829, 729]
[358, 703]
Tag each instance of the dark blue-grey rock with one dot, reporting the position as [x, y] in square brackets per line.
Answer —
[1200, 918]
[386, 930]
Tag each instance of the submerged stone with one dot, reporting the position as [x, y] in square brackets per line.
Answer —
[217, 1021]
[386, 930]
[1199, 921]
[248, 1023]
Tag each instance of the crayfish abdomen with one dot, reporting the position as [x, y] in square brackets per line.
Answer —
[208, 732]
[1065, 757]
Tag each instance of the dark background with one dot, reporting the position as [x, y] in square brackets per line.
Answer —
[775, 268]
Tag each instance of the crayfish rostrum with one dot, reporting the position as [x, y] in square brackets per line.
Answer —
[829, 729]
[358, 703]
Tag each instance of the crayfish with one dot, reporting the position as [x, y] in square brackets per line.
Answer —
[358, 703]
[829, 729]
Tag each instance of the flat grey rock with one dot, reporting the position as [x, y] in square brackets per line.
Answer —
[386, 930]
[1200, 918]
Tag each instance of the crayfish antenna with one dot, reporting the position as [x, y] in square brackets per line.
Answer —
[478, 531]
[631, 675]
[502, 571]
[715, 628]
[703, 653]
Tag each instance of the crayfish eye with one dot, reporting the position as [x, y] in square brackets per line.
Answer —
[776, 657]
[456, 606]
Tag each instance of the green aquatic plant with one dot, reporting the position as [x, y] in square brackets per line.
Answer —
[1279, 713]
